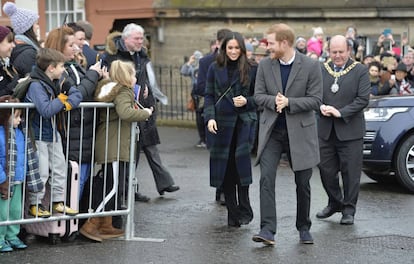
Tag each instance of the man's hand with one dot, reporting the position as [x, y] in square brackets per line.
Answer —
[281, 102]
[328, 110]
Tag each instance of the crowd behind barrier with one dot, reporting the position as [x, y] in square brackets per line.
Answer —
[124, 200]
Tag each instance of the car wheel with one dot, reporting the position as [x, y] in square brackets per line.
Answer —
[405, 163]
[380, 177]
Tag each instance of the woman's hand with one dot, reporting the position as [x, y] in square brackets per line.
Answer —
[239, 101]
[97, 67]
[212, 126]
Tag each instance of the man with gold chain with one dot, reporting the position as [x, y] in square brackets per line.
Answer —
[341, 127]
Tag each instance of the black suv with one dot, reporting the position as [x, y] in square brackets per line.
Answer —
[389, 140]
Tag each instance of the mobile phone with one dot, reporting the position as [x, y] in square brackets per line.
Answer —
[386, 32]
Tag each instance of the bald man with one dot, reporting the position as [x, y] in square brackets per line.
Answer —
[341, 128]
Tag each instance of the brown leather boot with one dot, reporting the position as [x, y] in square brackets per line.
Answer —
[106, 230]
[91, 229]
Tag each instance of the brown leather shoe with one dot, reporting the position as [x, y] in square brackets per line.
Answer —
[90, 229]
[106, 230]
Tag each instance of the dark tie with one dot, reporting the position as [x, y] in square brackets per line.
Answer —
[337, 69]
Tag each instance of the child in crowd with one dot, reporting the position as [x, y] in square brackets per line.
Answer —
[50, 97]
[13, 172]
[119, 90]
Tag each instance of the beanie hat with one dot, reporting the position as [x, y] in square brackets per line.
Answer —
[317, 31]
[4, 31]
[299, 39]
[21, 19]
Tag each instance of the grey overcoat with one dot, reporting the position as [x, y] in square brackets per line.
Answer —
[304, 91]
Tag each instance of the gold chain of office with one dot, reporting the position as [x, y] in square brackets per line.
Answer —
[341, 73]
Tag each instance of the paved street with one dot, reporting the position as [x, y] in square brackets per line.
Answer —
[195, 227]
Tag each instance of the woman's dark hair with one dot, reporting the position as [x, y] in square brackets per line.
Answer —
[32, 36]
[243, 62]
[75, 27]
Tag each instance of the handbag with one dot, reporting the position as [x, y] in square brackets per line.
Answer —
[191, 104]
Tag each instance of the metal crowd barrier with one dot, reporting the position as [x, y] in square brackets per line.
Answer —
[127, 198]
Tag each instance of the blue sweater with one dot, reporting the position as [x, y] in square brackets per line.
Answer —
[20, 144]
[284, 74]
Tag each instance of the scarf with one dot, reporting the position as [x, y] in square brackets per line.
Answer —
[33, 181]
[25, 39]
[405, 88]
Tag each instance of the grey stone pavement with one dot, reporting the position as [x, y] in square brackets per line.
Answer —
[195, 227]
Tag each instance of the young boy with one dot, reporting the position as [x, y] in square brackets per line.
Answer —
[50, 98]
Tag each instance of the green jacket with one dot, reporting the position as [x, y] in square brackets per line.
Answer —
[124, 113]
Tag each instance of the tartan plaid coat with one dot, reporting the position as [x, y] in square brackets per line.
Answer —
[219, 106]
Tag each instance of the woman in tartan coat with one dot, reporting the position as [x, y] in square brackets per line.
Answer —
[231, 114]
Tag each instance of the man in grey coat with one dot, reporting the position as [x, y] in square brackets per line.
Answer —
[289, 89]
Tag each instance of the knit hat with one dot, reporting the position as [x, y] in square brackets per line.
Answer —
[21, 19]
[317, 31]
[299, 39]
[4, 31]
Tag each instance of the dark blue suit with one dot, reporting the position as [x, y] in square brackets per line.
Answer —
[204, 63]
[90, 55]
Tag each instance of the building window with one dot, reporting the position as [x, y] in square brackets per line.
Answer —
[59, 12]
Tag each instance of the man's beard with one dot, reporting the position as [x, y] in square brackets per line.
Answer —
[276, 55]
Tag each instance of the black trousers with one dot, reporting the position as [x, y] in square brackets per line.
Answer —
[345, 157]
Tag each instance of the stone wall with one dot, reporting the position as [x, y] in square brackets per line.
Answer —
[181, 36]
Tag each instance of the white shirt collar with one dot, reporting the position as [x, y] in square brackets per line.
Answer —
[288, 62]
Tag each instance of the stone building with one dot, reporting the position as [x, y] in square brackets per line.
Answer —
[175, 28]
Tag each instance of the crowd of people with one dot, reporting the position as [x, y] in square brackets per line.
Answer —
[64, 71]
[281, 80]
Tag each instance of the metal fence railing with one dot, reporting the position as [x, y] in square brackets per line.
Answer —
[178, 90]
[124, 194]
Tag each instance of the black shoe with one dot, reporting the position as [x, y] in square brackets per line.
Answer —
[233, 223]
[245, 221]
[171, 188]
[305, 237]
[347, 219]
[327, 212]
[141, 198]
